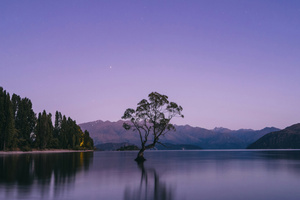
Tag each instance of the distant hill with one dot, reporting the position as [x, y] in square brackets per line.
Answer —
[219, 138]
[110, 132]
[288, 138]
[248, 136]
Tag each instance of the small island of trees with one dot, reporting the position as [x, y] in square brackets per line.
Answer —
[20, 129]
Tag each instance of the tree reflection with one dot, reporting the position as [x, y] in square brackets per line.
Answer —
[44, 171]
[150, 188]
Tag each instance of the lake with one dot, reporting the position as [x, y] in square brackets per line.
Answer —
[166, 175]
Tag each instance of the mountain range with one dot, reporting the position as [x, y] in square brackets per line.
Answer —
[288, 138]
[104, 132]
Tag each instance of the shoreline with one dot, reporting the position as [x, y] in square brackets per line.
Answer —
[44, 151]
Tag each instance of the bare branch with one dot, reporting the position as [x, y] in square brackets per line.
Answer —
[161, 144]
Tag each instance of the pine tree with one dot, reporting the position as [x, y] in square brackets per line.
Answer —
[2, 118]
[57, 124]
[15, 99]
[43, 130]
[63, 133]
[7, 130]
[19, 127]
[88, 141]
[25, 120]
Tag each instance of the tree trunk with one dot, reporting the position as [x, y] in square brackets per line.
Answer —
[140, 156]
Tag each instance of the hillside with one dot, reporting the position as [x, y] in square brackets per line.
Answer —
[112, 132]
[247, 136]
[288, 138]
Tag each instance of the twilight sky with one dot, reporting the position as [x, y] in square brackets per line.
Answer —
[232, 63]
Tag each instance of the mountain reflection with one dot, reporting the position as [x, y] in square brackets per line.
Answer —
[46, 172]
[150, 188]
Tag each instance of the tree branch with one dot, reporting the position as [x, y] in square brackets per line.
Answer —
[137, 128]
[162, 144]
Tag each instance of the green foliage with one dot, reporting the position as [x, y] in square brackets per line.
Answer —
[43, 130]
[25, 119]
[72, 137]
[7, 129]
[25, 147]
[88, 142]
[57, 124]
[19, 127]
[66, 134]
[54, 143]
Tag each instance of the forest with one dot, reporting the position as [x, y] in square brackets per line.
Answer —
[21, 129]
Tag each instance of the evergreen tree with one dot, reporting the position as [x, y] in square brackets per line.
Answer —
[10, 139]
[57, 124]
[7, 130]
[2, 117]
[15, 99]
[72, 137]
[25, 120]
[54, 143]
[43, 130]
[63, 133]
[72, 134]
[87, 140]
[19, 127]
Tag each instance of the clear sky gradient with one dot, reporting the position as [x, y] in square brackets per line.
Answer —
[232, 63]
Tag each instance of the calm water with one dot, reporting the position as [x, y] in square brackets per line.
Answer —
[224, 175]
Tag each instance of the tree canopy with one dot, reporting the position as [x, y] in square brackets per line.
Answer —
[151, 120]
[21, 129]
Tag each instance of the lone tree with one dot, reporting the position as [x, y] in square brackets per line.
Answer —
[151, 119]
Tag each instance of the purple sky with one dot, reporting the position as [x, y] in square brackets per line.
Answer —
[234, 64]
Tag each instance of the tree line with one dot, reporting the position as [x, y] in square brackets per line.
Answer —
[22, 129]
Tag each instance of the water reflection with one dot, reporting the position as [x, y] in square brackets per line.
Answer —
[151, 187]
[22, 174]
[166, 175]
[284, 155]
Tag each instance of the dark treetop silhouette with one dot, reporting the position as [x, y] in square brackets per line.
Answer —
[151, 119]
[20, 129]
